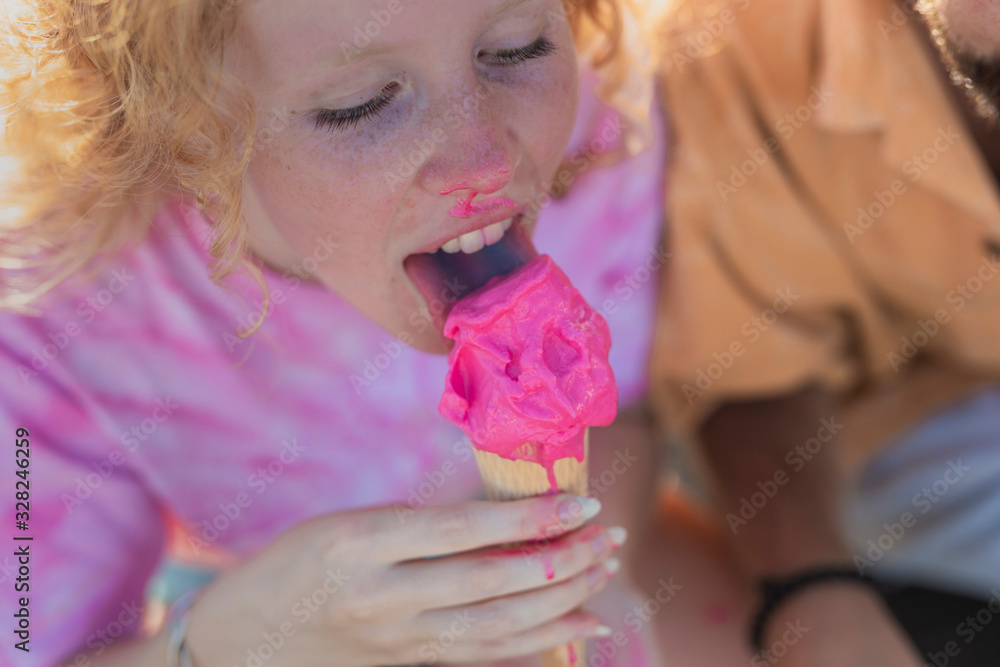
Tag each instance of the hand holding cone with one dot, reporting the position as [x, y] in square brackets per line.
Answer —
[513, 479]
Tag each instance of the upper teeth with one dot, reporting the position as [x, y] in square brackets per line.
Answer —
[475, 240]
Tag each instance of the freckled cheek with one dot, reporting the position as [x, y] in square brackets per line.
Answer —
[548, 119]
[309, 191]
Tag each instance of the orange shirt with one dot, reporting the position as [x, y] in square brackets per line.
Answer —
[831, 220]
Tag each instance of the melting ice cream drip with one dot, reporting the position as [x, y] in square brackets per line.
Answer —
[529, 371]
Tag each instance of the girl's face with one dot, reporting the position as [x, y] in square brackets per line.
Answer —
[388, 128]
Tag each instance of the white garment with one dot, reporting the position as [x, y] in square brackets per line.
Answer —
[927, 509]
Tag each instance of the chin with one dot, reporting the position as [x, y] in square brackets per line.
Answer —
[408, 322]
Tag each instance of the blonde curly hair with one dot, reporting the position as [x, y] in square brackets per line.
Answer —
[110, 106]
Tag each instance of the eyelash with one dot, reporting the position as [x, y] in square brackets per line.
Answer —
[338, 119]
[539, 48]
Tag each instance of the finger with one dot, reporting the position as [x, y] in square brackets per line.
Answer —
[575, 625]
[511, 615]
[475, 576]
[436, 531]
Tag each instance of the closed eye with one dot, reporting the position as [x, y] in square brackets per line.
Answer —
[336, 119]
[539, 48]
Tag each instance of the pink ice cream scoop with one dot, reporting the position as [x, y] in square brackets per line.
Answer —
[530, 364]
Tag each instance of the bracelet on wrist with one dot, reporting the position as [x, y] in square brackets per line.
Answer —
[774, 591]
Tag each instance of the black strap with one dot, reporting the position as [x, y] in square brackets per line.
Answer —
[776, 591]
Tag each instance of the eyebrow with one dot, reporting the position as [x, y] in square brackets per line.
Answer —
[355, 54]
[506, 6]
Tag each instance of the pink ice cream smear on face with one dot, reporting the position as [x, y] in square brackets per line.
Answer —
[529, 365]
[466, 207]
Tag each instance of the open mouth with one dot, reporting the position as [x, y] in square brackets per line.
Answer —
[466, 263]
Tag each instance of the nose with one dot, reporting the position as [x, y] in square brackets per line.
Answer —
[479, 155]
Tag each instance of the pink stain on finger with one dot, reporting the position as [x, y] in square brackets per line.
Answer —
[550, 566]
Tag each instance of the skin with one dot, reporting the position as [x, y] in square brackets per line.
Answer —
[967, 36]
[974, 25]
[305, 183]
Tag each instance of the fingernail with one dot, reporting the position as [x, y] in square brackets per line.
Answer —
[611, 566]
[569, 511]
[602, 544]
[618, 535]
[602, 631]
[591, 507]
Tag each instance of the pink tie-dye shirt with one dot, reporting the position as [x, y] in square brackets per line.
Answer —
[139, 398]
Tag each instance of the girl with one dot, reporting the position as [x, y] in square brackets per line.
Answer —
[257, 354]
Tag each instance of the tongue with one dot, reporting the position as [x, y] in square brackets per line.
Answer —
[443, 278]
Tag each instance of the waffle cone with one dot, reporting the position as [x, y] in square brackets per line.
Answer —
[507, 479]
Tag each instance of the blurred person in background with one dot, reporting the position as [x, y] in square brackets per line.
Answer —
[829, 326]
